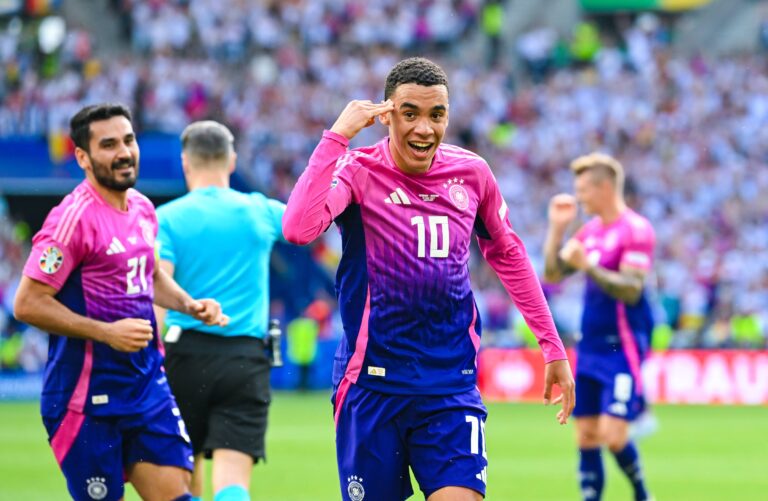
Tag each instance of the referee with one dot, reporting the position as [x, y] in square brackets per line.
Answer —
[216, 241]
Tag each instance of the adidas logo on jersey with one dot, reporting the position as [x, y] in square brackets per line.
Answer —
[115, 247]
[397, 197]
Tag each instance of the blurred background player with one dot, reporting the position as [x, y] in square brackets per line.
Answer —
[219, 240]
[405, 374]
[90, 281]
[615, 250]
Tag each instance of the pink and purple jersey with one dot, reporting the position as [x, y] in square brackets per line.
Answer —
[101, 261]
[410, 320]
[610, 326]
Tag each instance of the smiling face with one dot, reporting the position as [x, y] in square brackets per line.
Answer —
[417, 125]
[113, 156]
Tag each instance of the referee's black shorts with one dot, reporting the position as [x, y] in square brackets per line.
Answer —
[221, 385]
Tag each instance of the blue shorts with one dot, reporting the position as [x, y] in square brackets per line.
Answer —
[378, 436]
[94, 452]
[616, 396]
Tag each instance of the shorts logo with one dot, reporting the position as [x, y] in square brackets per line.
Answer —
[377, 371]
[334, 182]
[97, 489]
[457, 193]
[355, 488]
[100, 399]
[51, 260]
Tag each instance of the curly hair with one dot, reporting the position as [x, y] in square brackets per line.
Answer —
[416, 70]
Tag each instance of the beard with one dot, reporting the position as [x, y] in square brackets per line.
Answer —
[105, 174]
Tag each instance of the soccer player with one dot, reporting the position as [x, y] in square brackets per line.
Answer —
[405, 373]
[90, 281]
[217, 241]
[615, 250]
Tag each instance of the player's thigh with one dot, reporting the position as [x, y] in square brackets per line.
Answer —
[447, 443]
[238, 413]
[89, 453]
[588, 432]
[159, 438]
[158, 483]
[370, 449]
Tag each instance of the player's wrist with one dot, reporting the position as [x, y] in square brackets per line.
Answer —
[103, 332]
[343, 132]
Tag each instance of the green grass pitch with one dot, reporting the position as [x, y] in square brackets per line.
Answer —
[699, 453]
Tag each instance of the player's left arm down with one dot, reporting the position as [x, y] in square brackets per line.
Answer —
[506, 254]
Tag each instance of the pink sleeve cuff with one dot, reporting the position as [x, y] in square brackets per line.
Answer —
[327, 134]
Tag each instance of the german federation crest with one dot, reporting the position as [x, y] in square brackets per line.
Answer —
[355, 488]
[97, 489]
[457, 193]
[51, 260]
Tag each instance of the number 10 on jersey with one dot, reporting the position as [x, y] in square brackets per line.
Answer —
[439, 241]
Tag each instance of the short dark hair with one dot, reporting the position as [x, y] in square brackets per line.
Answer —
[208, 141]
[418, 70]
[80, 125]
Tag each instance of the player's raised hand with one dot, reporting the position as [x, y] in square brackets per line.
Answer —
[208, 311]
[562, 210]
[574, 254]
[128, 334]
[359, 114]
[559, 373]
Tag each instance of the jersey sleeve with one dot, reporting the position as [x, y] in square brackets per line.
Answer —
[506, 254]
[322, 192]
[59, 247]
[639, 244]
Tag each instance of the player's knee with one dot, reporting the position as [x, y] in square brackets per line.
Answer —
[616, 443]
[615, 439]
[589, 438]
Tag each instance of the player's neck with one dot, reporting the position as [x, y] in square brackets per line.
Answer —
[212, 179]
[613, 212]
[116, 198]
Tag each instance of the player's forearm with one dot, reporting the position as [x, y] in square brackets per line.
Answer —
[307, 213]
[48, 314]
[169, 295]
[625, 287]
[555, 269]
[510, 262]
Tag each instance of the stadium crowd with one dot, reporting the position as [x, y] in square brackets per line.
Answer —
[691, 132]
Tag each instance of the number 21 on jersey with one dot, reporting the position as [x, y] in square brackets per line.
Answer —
[136, 266]
[439, 240]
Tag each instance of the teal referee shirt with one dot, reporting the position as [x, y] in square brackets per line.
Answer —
[219, 241]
